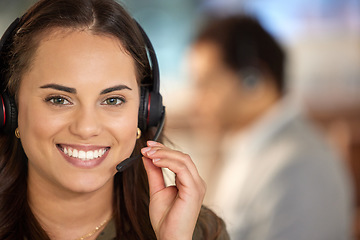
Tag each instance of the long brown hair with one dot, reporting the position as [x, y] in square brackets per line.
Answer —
[131, 193]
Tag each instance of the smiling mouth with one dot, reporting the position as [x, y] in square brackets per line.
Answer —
[81, 154]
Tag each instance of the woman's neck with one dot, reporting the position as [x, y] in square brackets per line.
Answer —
[69, 215]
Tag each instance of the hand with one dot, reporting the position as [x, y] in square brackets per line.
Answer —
[174, 209]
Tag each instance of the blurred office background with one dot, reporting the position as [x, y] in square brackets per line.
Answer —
[316, 33]
[321, 37]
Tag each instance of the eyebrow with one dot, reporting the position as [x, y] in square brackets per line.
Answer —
[115, 88]
[73, 90]
[60, 88]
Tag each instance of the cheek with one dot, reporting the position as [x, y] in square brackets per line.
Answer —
[122, 128]
[32, 133]
[213, 103]
[34, 120]
[36, 129]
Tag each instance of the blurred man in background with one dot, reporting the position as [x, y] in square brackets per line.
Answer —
[276, 178]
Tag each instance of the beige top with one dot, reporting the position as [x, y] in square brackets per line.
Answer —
[109, 232]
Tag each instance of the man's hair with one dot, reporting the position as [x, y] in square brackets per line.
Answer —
[245, 44]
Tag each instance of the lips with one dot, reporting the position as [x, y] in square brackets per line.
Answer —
[83, 154]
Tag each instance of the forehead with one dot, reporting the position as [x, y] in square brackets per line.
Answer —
[204, 55]
[67, 42]
[207, 67]
[205, 59]
[72, 55]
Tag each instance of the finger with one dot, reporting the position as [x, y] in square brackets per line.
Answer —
[187, 176]
[155, 177]
[175, 158]
[190, 186]
[155, 147]
[153, 143]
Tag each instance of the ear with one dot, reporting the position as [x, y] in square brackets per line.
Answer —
[250, 78]
[259, 90]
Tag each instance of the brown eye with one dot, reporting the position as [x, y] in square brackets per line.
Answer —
[114, 101]
[57, 100]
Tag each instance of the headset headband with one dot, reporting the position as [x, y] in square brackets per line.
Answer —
[153, 60]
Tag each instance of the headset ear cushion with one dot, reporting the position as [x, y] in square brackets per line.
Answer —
[156, 109]
[143, 108]
[9, 117]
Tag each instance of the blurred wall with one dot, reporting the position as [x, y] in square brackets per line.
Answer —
[316, 33]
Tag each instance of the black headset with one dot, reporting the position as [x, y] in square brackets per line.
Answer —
[151, 110]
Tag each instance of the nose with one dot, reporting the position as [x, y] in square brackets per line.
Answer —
[86, 122]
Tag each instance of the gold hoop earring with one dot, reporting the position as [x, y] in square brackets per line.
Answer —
[138, 133]
[17, 133]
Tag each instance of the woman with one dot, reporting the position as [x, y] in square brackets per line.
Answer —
[75, 70]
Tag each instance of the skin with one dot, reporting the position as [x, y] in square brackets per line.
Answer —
[81, 92]
[173, 210]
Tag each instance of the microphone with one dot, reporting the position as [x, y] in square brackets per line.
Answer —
[131, 160]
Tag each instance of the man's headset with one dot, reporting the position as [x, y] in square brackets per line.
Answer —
[151, 109]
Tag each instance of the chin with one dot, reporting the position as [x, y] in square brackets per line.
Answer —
[88, 182]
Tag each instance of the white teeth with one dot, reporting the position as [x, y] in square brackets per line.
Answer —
[96, 154]
[88, 155]
[75, 153]
[82, 155]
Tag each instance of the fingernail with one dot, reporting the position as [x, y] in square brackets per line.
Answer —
[145, 150]
[152, 143]
[156, 159]
[149, 153]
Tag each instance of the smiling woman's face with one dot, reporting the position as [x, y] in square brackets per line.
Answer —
[78, 110]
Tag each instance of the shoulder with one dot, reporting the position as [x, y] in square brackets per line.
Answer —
[210, 226]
